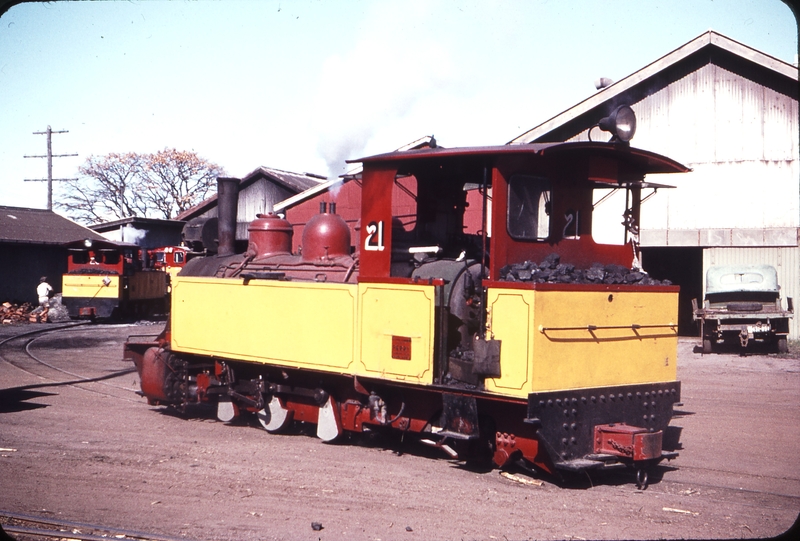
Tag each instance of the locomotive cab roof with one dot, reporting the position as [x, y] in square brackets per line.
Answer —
[631, 164]
[541, 202]
[94, 244]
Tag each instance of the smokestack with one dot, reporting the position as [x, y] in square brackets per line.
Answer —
[227, 202]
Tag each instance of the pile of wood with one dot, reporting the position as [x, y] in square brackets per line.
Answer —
[16, 313]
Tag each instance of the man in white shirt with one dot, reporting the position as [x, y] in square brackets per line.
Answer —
[43, 290]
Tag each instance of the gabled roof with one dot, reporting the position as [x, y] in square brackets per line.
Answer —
[38, 226]
[293, 181]
[709, 47]
[136, 220]
[309, 193]
[296, 182]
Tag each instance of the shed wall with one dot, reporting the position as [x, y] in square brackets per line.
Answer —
[257, 198]
[740, 138]
[741, 202]
[21, 265]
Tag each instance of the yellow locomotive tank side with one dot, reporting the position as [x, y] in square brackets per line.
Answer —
[397, 323]
[291, 324]
[309, 325]
[554, 340]
[90, 286]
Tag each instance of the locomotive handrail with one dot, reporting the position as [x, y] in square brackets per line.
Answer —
[591, 328]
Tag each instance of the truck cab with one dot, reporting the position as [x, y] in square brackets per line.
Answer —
[743, 302]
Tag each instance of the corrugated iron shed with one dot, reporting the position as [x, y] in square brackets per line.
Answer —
[32, 245]
[38, 226]
[708, 48]
[730, 112]
[286, 183]
[148, 233]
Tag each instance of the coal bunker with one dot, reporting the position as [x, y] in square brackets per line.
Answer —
[552, 271]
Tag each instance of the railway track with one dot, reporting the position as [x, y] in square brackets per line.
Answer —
[21, 352]
[32, 528]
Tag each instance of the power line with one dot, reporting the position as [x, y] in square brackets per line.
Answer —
[49, 132]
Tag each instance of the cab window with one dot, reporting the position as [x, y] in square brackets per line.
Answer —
[109, 257]
[529, 207]
[79, 257]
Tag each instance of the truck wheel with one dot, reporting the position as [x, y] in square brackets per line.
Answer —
[783, 344]
[708, 345]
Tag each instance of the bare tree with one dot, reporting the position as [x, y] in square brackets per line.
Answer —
[177, 180]
[159, 185]
[109, 188]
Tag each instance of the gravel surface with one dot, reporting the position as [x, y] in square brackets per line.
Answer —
[95, 452]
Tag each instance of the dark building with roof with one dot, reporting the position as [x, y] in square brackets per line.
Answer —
[147, 233]
[32, 245]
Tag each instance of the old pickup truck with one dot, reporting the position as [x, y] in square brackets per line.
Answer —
[743, 302]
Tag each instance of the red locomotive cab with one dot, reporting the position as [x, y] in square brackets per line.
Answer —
[92, 256]
[167, 258]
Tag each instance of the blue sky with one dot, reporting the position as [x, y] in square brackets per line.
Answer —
[304, 85]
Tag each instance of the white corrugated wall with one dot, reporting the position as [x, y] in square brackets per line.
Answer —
[741, 203]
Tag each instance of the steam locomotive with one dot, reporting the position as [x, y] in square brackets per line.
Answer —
[107, 279]
[524, 339]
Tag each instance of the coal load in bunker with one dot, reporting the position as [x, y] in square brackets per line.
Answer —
[520, 339]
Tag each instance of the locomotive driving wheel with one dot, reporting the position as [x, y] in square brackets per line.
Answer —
[274, 417]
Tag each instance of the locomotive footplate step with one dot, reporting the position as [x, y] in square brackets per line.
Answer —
[459, 418]
[583, 464]
[601, 461]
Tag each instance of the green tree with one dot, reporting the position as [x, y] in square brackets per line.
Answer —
[158, 185]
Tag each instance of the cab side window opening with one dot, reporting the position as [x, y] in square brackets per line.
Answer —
[109, 257]
[80, 257]
[607, 216]
[429, 209]
[405, 198]
[529, 207]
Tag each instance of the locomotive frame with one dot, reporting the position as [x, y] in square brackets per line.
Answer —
[485, 345]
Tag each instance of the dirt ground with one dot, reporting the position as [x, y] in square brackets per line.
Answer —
[97, 453]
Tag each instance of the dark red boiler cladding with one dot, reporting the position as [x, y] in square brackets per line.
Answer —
[326, 236]
[269, 235]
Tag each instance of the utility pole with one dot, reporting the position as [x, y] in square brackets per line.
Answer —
[49, 157]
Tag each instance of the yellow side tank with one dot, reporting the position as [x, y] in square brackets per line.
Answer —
[560, 338]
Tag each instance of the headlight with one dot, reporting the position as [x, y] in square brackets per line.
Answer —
[621, 124]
